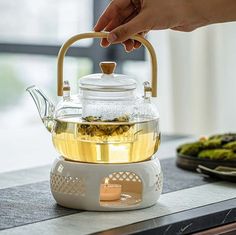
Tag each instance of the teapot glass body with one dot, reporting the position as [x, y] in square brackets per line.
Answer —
[106, 122]
[102, 137]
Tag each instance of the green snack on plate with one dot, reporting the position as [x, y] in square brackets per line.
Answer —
[219, 136]
[191, 149]
[230, 145]
[217, 154]
[212, 143]
[225, 138]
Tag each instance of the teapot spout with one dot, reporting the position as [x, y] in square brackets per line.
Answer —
[45, 107]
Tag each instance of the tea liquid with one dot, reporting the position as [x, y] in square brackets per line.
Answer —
[99, 142]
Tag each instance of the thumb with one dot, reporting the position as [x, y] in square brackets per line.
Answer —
[123, 32]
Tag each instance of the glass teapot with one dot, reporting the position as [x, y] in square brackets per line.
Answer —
[106, 122]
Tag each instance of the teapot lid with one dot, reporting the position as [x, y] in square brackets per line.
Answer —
[107, 81]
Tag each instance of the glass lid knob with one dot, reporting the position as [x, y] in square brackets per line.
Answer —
[107, 67]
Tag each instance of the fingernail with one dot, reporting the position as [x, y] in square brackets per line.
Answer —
[105, 45]
[111, 37]
[130, 50]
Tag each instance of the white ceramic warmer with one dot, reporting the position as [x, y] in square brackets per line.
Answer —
[77, 185]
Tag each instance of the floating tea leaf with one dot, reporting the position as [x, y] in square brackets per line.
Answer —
[106, 129]
[60, 127]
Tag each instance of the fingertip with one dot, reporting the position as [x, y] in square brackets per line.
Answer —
[124, 46]
[128, 45]
[104, 46]
[104, 43]
[128, 50]
[137, 44]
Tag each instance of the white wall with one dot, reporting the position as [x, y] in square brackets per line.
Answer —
[197, 79]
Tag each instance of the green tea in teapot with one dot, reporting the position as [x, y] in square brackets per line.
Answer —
[94, 140]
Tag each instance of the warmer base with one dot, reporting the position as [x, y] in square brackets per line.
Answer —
[77, 185]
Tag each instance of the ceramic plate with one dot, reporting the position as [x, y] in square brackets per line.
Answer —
[221, 172]
[191, 163]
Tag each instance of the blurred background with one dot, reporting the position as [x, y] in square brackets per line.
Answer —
[197, 73]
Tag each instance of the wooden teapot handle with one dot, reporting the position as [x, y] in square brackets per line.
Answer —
[77, 37]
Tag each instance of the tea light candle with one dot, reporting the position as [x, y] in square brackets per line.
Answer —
[110, 192]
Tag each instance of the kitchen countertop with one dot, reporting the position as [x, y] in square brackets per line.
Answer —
[189, 203]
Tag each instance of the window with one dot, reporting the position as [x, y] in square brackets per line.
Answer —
[31, 33]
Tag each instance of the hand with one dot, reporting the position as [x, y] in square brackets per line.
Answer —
[118, 13]
[124, 18]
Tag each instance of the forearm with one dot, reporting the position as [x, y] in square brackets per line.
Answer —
[216, 11]
[124, 18]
